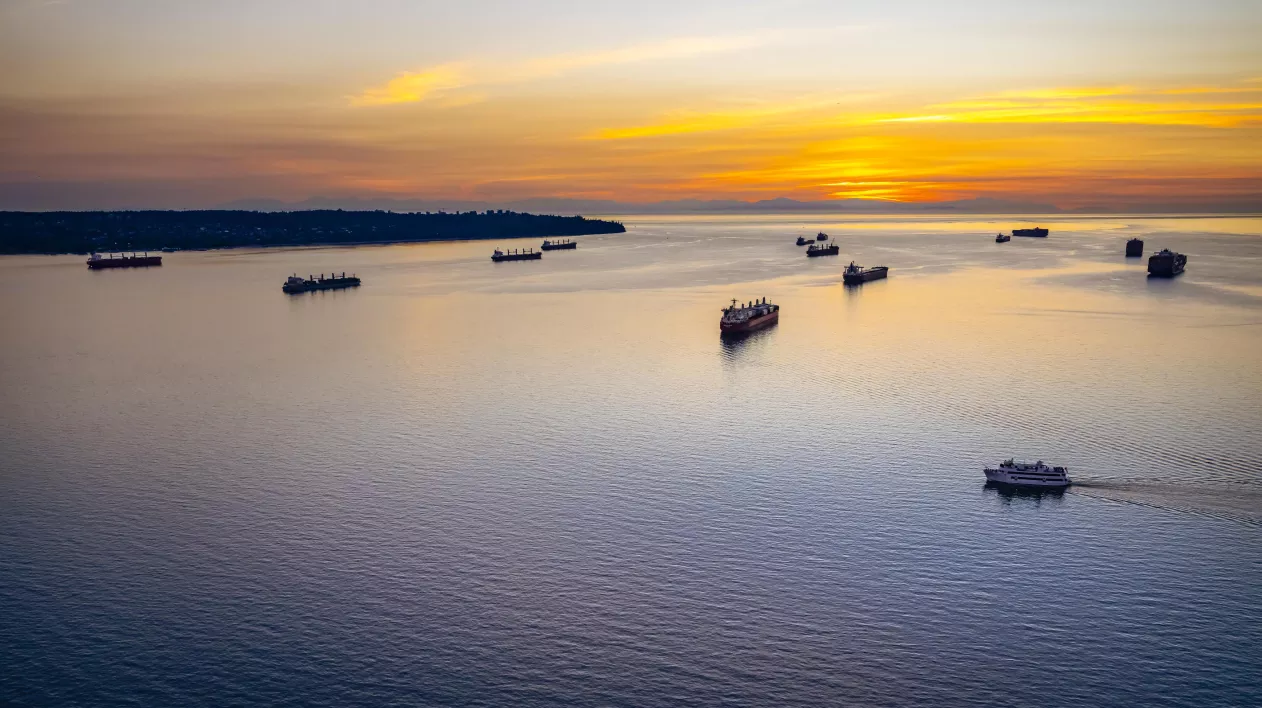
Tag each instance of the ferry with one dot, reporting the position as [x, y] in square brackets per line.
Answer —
[565, 244]
[747, 318]
[295, 284]
[96, 262]
[1166, 264]
[815, 250]
[1134, 248]
[855, 274]
[1037, 232]
[1002, 238]
[1024, 474]
[516, 255]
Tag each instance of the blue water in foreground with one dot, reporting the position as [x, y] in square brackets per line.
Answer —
[551, 483]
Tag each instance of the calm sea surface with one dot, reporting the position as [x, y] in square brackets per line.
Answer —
[550, 483]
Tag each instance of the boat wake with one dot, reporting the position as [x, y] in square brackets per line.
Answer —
[1241, 503]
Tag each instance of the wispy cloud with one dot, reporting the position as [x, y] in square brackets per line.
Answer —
[416, 86]
[1179, 106]
[412, 86]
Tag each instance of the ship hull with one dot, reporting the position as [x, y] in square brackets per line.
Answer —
[517, 257]
[750, 325]
[140, 262]
[865, 276]
[823, 252]
[1026, 479]
[560, 247]
[1033, 233]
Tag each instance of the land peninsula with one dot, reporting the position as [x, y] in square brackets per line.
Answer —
[102, 231]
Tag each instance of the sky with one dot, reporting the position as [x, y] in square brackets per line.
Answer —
[1110, 104]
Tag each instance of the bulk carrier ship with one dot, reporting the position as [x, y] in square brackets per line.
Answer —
[747, 318]
[96, 262]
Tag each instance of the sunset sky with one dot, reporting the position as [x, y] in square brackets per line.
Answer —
[175, 103]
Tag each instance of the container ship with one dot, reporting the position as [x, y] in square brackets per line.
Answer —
[563, 245]
[96, 262]
[1166, 263]
[1134, 248]
[855, 274]
[747, 318]
[815, 250]
[1037, 232]
[516, 255]
[295, 284]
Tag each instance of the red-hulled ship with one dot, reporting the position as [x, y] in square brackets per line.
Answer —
[748, 318]
[96, 262]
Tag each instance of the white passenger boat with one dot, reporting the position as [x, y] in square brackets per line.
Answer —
[1027, 474]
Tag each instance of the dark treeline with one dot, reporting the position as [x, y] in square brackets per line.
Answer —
[88, 231]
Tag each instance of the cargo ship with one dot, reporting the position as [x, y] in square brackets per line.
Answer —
[1166, 263]
[563, 245]
[747, 318]
[1037, 232]
[295, 284]
[855, 274]
[1134, 248]
[516, 255]
[1002, 238]
[815, 250]
[96, 262]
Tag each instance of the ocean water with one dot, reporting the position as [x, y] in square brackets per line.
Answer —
[551, 483]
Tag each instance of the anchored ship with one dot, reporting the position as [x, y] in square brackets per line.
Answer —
[96, 262]
[815, 250]
[1038, 232]
[802, 241]
[516, 255]
[1166, 263]
[747, 318]
[855, 274]
[1002, 238]
[821, 236]
[1134, 248]
[565, 244]
[296, 284]
[1025, 474]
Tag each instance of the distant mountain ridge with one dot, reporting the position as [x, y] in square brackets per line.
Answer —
[565, 206]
